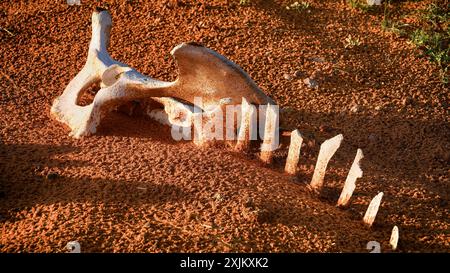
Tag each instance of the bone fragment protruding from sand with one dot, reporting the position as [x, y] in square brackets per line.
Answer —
[327, 150]
[372, 210]
[394, 238]
[350, 182]
[294, 152]
[270, 142]
[248, 112]
[120, 83]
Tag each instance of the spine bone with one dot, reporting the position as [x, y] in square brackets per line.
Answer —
[327, 150]
[294, 152]
[247, 113]
[350, 183]
[372, 210]
[394, 238]
[270, 141]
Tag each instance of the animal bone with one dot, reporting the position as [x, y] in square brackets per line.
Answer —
[372, 210]
[270, 141]
[373, 2]
[327, 150]
[394, 238]
[350, 183]
[294, 152]
[246, 129]
[73, 247]
[202, 73]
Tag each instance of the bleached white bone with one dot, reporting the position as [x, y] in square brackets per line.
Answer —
[373, 2]
[73, 247]
[372, 210]
[350, 182]
[202, 119]
[294, 152]
[248, 113]
[270, 141]
[394, 238]
[327, 150]
[114, 76]
[202, 73]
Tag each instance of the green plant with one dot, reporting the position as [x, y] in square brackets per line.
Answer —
[299, 6]
[356, 4]
[7, 31]
[388, 25]
[436, 15]
[419, 37]
[244, 2]
[434, 39]
[435, 45]
[392, 26]
[351, 42]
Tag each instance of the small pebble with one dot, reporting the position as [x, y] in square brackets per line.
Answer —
[407, 101]
[52, 176]
[311, 83]
[443, 203]
[317, 59]
[373, 137]
[311, 143]
[299, 74]
[287, 76]
[325, 128]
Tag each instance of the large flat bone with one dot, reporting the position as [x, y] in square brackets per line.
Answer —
[203, 73]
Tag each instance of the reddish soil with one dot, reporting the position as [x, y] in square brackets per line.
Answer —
[131, 188]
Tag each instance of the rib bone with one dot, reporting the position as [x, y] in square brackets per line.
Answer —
[372, 210]
[350, 183]
[270, 142]
[394, 238]
[294, 152]
[202, 73]
[248, 113]
[327, 150]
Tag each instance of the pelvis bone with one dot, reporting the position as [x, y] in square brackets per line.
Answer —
[202, 73]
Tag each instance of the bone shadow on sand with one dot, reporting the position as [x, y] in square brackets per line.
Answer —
[26, 180]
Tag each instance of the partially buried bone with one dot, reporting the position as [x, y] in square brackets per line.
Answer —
[372, 210]
[327, 150]
[350, 182]
[202, 73]
[294, 152]
[246, 129]
[393, 241]
[271, 129]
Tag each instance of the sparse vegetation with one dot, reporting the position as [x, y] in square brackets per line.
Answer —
[392, 26]
[7, 31]
[432, 35]
[299, 6]
[244, 2]
[351, 42]
[436, 15]
[435, 46]
[358, 5]
[389, 25]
